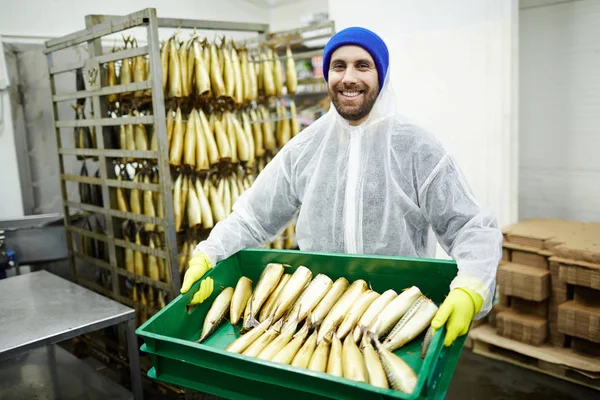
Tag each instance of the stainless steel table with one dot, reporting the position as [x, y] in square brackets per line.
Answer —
[50, 373]
[39, 309]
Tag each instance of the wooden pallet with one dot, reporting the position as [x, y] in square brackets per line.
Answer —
[560, 363]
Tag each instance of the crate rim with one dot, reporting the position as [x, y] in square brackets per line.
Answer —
[346, 255]
[196, 284]
[431, 359]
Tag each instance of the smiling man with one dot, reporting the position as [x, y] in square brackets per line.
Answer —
[353, 85]
[362, 180]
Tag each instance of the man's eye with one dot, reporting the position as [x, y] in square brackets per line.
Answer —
[338, 66]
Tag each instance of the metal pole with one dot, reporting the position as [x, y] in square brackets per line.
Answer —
[134, 359]
[99, 110]
[160, 125]
[63, 184]
[51, 358]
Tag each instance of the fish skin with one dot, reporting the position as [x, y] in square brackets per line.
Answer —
[371, 313]
[319, 358]
[356, 311]
[342, 307]
[241, 343]
[401, 376]
[414, 322]
[324, 307]
[263, 341]
[302, 357]
[216, 313]
[316, 290]
[377, 375]
[334, 363]
[426, 342]
[273, 348]
[267, 282]
[353, 364]
[267, 307]
[241, 295]
[291, 291]
[288, 353]
[393, 312]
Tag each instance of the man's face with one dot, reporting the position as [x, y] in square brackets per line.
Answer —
[352, 84]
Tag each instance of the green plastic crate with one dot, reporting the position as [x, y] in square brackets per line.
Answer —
[169, 336]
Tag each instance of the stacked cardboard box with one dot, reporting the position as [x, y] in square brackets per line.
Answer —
[524, 283]
[527, 289]
[549, 284]
[560, 294]
[546, 315]
[578, 262]
[584, 280]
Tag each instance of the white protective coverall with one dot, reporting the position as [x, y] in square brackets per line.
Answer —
[377, 189]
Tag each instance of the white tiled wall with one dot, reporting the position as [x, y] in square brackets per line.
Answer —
[560, 110]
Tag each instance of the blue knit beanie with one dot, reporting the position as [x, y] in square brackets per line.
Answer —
[364, 38]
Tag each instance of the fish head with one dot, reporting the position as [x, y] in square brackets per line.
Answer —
[365, 341]
[373, 334]
[304, 330]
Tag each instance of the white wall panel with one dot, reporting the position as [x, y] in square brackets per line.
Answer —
[560, 111]
[454, 68]
[60, 17]
[292, 15]
[11, 204]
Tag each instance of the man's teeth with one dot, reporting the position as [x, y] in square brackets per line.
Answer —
[350, 94]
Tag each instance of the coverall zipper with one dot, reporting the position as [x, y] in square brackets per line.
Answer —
[350, 206]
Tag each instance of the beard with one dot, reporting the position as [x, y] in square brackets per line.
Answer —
[349, 109]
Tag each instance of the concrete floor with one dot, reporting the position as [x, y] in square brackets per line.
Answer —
[478, 377]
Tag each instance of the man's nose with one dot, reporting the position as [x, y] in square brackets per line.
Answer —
[350, 76]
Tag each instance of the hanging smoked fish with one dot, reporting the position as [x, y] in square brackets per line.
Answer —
[111, 77]
[81, 137]
[202, 161]
[164, 64]
[189, 147]
[85, 189]
[176, 149]
[149, 210]
[175, 83]
[290, 71]
[139, 71]
[238, 92]
[126, 74]
[200, 73]
[138, 256]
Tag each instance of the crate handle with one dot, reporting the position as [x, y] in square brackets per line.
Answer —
[436, 349]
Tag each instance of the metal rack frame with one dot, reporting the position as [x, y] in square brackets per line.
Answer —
[97, 27]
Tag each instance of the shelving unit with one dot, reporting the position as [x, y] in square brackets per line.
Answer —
[97, 27]
[97, 249]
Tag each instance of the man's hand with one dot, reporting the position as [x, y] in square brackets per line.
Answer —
[206, 289]
[457, 312]
[198, 266]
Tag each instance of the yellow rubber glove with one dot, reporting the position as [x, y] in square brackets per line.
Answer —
[197, 267]
[457, 312]
[206, 289]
